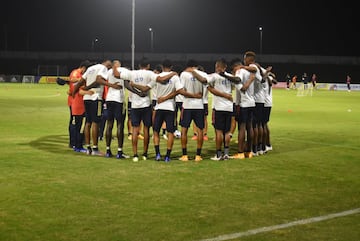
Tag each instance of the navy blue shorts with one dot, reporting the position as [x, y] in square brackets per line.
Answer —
[267, 111]
[206, 109]
[222, 120]
[141, 114]
[164, 115]
[129, 109]
[115, 111]
[258, 114]
[153, 103]
[93, 110]
[246, 114]
[196, 115]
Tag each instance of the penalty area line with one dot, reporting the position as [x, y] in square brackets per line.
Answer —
[282, 226]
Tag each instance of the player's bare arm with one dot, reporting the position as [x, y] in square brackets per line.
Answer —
[167, 97]
[165, 78]
[219, 93]
[198, 76]
[232, 78]
[133, 90]
[77, 87]
[142, 88]
[248, 82]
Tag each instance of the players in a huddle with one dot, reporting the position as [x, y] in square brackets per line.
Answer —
[242, 94]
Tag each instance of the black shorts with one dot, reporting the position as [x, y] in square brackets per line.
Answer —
[267, 111]
[115, 111]
[222, 120]
[164, 115]
[93, 110]
[141, 114]
[153, 103]
[259, 113]
[178, 106]
[129, 109]
[206, 109]
[196, 115]
[246, 115]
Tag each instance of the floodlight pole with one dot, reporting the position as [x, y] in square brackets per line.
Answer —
[151, 30]
[133, 36]
[261, 31]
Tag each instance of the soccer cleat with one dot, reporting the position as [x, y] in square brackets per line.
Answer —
[88, 151]
[97, 153]
[129, 137]
[135, 159]
[144, 158]
[167, 159]
[81, 150]
[184, 158]
[249, 154]
[216, 158]
[260, 152]
[194, 138]
[268, 148]
[206, 138]
[225, 157]
[158, 157]
[121, 155]
[141, 137]
[238, 156]
[165, 137]
[108, 154]
[198, 158]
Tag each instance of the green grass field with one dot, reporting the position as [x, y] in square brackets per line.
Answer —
[49, 192]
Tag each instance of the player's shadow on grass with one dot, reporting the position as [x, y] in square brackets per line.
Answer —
[55, 143]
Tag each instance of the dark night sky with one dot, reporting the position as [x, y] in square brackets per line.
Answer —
[188, 26]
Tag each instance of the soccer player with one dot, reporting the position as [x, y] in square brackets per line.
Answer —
[270, 80]
[95, 79]
[116, 111]
[75, 76]
[221, 87]
[247, 75]
[193, 108]
[258, 117]
[143, 80]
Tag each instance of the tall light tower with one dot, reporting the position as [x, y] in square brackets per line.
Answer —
[261, 36]
[151, 30]
[133, 36]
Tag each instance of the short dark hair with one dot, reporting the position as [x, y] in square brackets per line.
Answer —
[167, 63]
[158, 68]
[144, 62]
[222, 61]
[235, 61]
[85, 63]
[192, 63]
[250, 54]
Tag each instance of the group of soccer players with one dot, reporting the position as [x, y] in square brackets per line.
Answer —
[242, 93]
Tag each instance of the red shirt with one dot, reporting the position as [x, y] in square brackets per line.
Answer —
[75, 74]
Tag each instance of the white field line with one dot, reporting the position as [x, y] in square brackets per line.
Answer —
[318, 143]
[282, 226]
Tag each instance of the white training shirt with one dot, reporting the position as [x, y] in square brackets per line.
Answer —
[166, 89]
[114, 94]
[141, 77]
[192, 85]
[268, 93]
[90, 76]
[224, 85]
[247, 97]
[259, 89]
[179, 97]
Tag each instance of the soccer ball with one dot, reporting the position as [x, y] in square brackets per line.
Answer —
[177, 134]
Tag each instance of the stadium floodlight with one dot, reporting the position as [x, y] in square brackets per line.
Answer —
[93, 42]
[133, 36]
[261, 31]
[151, 30]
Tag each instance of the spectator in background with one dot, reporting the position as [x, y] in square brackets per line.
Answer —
[305, 80]
[348, 82]
[313, 80]
[287, 80]
[293, 82]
